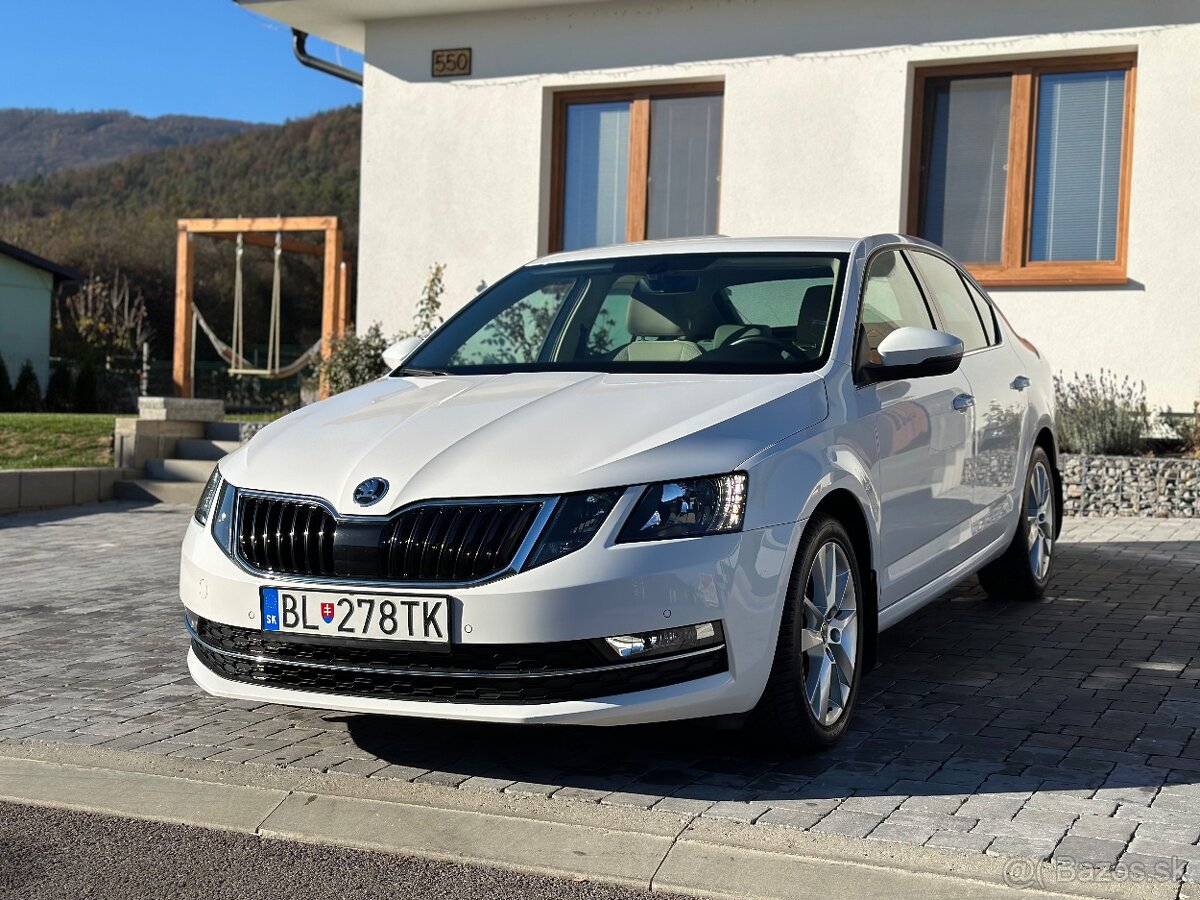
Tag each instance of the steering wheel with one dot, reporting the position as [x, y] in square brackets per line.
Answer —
[782, 346]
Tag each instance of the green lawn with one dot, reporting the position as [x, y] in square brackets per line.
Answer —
[47, 440]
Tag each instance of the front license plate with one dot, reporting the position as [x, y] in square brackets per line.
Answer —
[334, 613]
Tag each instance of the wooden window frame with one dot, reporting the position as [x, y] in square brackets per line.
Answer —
[636, 204]
[1015, 268]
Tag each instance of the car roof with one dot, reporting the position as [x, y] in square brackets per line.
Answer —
[710, 244]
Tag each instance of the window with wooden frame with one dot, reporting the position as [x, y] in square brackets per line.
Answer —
[1021, 169]
[637, 163]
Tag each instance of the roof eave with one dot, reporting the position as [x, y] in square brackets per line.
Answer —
[60, 273]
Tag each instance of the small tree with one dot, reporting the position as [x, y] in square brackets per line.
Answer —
[28, 392]
[58, 390]
[427, 317]
[85, 393]
[103, 319]
[6, 390]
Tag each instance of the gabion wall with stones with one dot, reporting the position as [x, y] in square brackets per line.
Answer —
[1130, 486]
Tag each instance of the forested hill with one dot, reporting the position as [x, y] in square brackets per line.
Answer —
[122, 215]
[42, 141]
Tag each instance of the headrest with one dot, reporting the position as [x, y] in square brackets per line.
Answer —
[816, 303]
[670, 315]
[814, 314]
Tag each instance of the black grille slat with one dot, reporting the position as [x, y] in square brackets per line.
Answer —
[327, 528]
[306, 539]
[452, 543]
[430, 543]
[515, 534]
[459, 568]
[260, 551]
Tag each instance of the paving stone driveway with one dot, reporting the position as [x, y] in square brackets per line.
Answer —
[1067, 729]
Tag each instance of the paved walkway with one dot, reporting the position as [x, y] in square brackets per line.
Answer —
[1063, 730]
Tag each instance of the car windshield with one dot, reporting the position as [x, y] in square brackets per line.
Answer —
[671, 313]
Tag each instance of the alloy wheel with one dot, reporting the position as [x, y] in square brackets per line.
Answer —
[1039, 520]
[829, 640]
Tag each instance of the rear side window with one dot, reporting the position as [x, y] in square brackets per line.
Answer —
[959, 315]
[985, 312]
[891, 300]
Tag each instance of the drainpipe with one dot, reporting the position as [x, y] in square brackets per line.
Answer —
[299, 42]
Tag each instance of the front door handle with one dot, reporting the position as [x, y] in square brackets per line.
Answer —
[963, 402]
[1019, 383]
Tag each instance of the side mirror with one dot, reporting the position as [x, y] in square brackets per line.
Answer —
[911, 352]
[395, 355]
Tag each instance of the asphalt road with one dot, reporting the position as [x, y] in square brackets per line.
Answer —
[55, 854]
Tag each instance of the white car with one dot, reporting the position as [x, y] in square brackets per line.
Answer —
[666, 480]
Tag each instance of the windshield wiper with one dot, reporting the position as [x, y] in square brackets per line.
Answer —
[418, 373]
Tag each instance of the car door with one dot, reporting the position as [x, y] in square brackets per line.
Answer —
[994, 372]
[923, 439]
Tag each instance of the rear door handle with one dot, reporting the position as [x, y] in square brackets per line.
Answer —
[963, 402]
[1019, 383]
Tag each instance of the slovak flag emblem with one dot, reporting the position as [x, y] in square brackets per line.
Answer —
[327, 612]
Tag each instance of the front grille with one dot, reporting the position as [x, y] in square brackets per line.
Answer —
[455, 543]
[431, 543]
[293, 536]
[468, 673]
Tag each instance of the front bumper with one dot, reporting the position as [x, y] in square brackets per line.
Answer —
[604, 589]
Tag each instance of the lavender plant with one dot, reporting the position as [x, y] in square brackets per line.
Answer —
[1100, 414]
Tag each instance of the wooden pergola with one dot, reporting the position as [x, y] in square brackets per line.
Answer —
[335, 311]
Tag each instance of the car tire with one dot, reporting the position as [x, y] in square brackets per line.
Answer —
[817, 643]
[1023, 572]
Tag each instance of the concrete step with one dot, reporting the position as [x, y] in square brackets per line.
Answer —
[203, 448]
[223, 431]
[196, 470]
[159, 491]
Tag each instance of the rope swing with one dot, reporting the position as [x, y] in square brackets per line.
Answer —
[233, 353]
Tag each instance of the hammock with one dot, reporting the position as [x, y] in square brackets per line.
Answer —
[239, 365]
[233, 354]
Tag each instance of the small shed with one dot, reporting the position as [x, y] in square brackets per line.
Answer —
[27, 286]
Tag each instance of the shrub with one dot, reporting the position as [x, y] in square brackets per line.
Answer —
[27, 393]
[59, 390]
[86, 390]
[1188, 428]
[355, 360]
[1099, 414]
[6, 391]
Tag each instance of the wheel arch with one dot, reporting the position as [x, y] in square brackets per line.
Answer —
[1046, 440]
[845, 507]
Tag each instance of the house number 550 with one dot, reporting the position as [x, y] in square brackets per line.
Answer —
[451, 62]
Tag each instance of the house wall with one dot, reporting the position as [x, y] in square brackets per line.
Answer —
[817, 119]
[25, 294]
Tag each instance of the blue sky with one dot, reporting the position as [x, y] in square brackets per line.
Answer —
[152, 57]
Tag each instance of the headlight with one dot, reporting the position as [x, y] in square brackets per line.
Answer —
[678, 509]
[575, 521]
[208, 496]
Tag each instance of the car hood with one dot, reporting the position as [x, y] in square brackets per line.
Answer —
[523, 434]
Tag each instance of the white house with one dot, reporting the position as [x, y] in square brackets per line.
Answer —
[1055, 146]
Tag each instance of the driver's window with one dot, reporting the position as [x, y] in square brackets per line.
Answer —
[891, 300]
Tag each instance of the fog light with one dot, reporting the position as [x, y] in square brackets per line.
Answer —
[667, 641]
